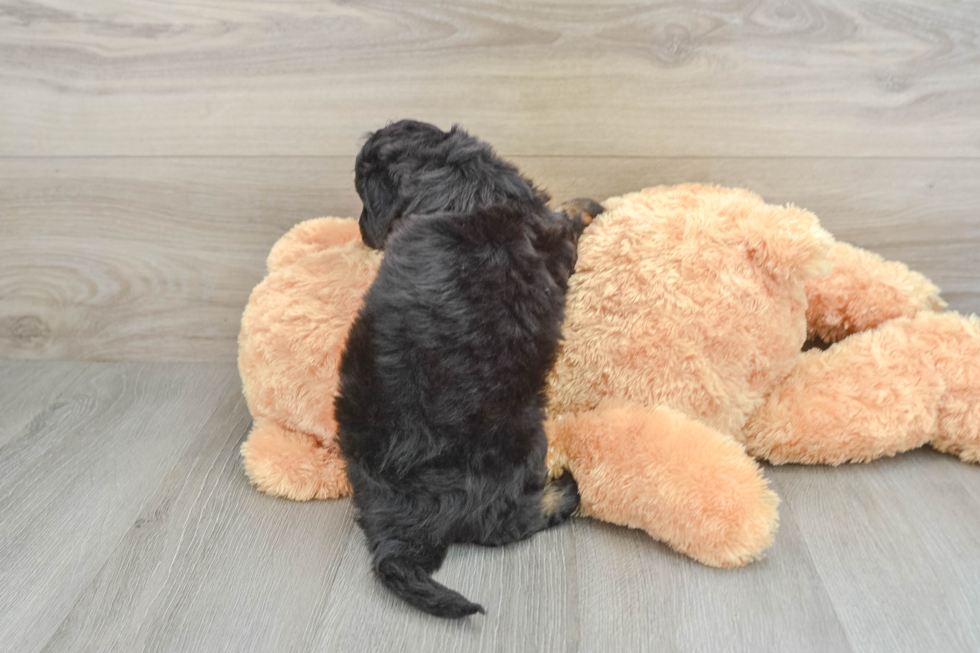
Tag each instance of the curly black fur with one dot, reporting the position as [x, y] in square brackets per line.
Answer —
[412, 167]
[441, 399]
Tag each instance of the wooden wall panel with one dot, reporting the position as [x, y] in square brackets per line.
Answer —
[153, 258]
[662, 78]
[151, 152]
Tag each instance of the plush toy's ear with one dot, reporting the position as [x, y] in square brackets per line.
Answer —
[788, 242]
[381, 208]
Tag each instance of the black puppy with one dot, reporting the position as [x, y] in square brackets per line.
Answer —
[412, 168]
[441, 398]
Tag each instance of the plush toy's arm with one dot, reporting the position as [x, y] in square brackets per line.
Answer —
[863, 291]
[682, 482]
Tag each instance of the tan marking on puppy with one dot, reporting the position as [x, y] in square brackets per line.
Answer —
[550, 499]
[583, 208]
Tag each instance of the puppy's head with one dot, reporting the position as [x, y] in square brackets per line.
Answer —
[412, 167]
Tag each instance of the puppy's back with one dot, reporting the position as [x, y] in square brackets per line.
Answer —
[466, 308]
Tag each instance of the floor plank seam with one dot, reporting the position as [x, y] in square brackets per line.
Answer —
[813, 564]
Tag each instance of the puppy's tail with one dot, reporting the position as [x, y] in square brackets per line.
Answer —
[410, 581]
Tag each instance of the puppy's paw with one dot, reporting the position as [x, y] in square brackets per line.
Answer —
[560, 498]
[581, 211]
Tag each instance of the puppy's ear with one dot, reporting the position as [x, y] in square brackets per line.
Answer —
[381, 209]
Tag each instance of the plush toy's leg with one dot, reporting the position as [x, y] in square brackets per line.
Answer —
[682, 482]
[293, 465]
[910, 382]
[863, 291]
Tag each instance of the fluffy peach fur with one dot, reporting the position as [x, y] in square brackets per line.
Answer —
[685, 322]
[919, 386]
[678, 479]
[292, 336]
[864, 291]
[691, 298]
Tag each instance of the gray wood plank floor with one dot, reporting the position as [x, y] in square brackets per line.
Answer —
[126, 524]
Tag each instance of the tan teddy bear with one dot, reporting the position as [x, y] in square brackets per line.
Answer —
[682, 360]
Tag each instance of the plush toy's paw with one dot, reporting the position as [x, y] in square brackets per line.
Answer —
[581, 211]
[293, 465]
[954, 342]
[679, 480]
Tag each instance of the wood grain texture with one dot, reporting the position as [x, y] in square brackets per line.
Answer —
[210, 564]
[26, 391]
[152, 152]
[897, 543]
[663, 601]
[744, 77]
[148, 259]
[73, 481]
[154, 258]
[527, 589]
[126, 524]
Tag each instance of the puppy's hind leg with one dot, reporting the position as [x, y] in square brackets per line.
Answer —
[559, 499]
[530, 513]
